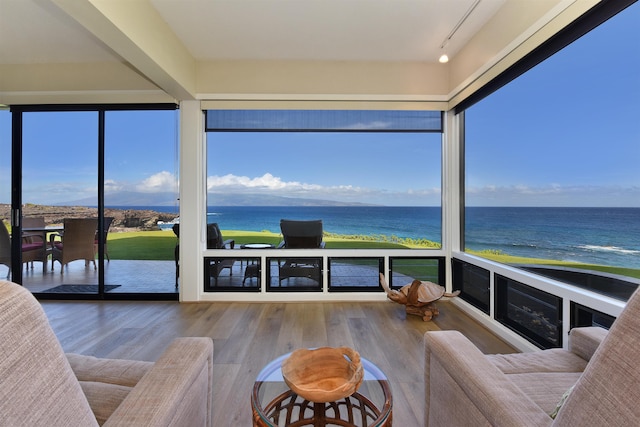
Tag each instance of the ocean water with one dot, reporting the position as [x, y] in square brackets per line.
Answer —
[608, 236]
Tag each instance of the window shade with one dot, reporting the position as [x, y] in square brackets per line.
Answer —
[324, 120]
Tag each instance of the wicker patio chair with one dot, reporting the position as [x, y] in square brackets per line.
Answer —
[31, 251]
[107, 223]
[5, 247]
[34, 244]
[77, 242]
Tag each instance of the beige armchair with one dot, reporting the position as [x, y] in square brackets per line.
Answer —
[467, 388]
[41, 386]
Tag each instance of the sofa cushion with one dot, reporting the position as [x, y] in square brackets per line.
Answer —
[110, 371]
[553, 360]
[106, 382]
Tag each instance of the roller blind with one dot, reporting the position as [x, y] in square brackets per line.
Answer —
[324, 120]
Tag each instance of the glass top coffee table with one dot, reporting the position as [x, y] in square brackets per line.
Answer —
[274, 404]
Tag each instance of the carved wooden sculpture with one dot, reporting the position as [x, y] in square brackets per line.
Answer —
[418, 297]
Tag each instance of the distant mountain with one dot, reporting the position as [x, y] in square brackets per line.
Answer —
[131, 198]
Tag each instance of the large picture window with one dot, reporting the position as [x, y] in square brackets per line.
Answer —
[372, 177]
[551, 160]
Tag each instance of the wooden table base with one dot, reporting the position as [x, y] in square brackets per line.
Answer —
[290, 410]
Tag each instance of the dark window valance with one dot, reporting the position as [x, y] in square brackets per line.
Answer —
[324, 120]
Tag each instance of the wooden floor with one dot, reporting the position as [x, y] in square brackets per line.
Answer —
[248, 335]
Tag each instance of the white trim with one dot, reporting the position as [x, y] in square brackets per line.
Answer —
[519, 47]
[323, 102]
[293, 297]
[450, 190]
[568, 293]
[108, 92]
[192, 201]
[318, 97]
[496, 328]
[85, 97]
[317, 296]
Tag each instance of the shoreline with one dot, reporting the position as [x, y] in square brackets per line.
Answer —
[123, 219]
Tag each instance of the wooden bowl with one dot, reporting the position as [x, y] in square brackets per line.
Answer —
[324, 374]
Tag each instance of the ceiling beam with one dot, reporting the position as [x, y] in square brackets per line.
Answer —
[135, 31]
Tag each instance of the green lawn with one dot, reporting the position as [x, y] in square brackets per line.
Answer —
[159, 245]
[142, 245]
[508, 259]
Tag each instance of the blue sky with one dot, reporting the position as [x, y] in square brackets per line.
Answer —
[567, 133]
[378, 168]
[60, 154]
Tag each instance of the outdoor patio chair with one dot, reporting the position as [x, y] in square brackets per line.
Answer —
[34, 244]
[76, 242]
[215, 241]
[5, 247]
[107, 223]
[30, 251]
[298, 234]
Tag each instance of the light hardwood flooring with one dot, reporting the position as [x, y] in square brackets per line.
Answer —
[249, 335]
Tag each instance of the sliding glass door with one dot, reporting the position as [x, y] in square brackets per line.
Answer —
[140, 191]
[89, 186]
[59, 183]
[5, 194]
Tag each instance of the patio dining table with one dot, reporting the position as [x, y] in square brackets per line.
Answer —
[42, 232]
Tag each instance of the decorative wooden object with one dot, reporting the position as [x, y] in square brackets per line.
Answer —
[418, 297]
[324, 374]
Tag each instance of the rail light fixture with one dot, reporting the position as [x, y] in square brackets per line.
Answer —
[444, 58]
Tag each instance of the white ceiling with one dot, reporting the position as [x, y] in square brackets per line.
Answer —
[33, 31]
[37, 31]
[146, 51]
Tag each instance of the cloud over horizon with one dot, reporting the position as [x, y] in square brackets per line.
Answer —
[159, 182]
[273, 185]
[268, 184]
[554, 195]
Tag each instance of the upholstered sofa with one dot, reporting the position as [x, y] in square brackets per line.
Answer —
[599, 376]
[40, 385]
